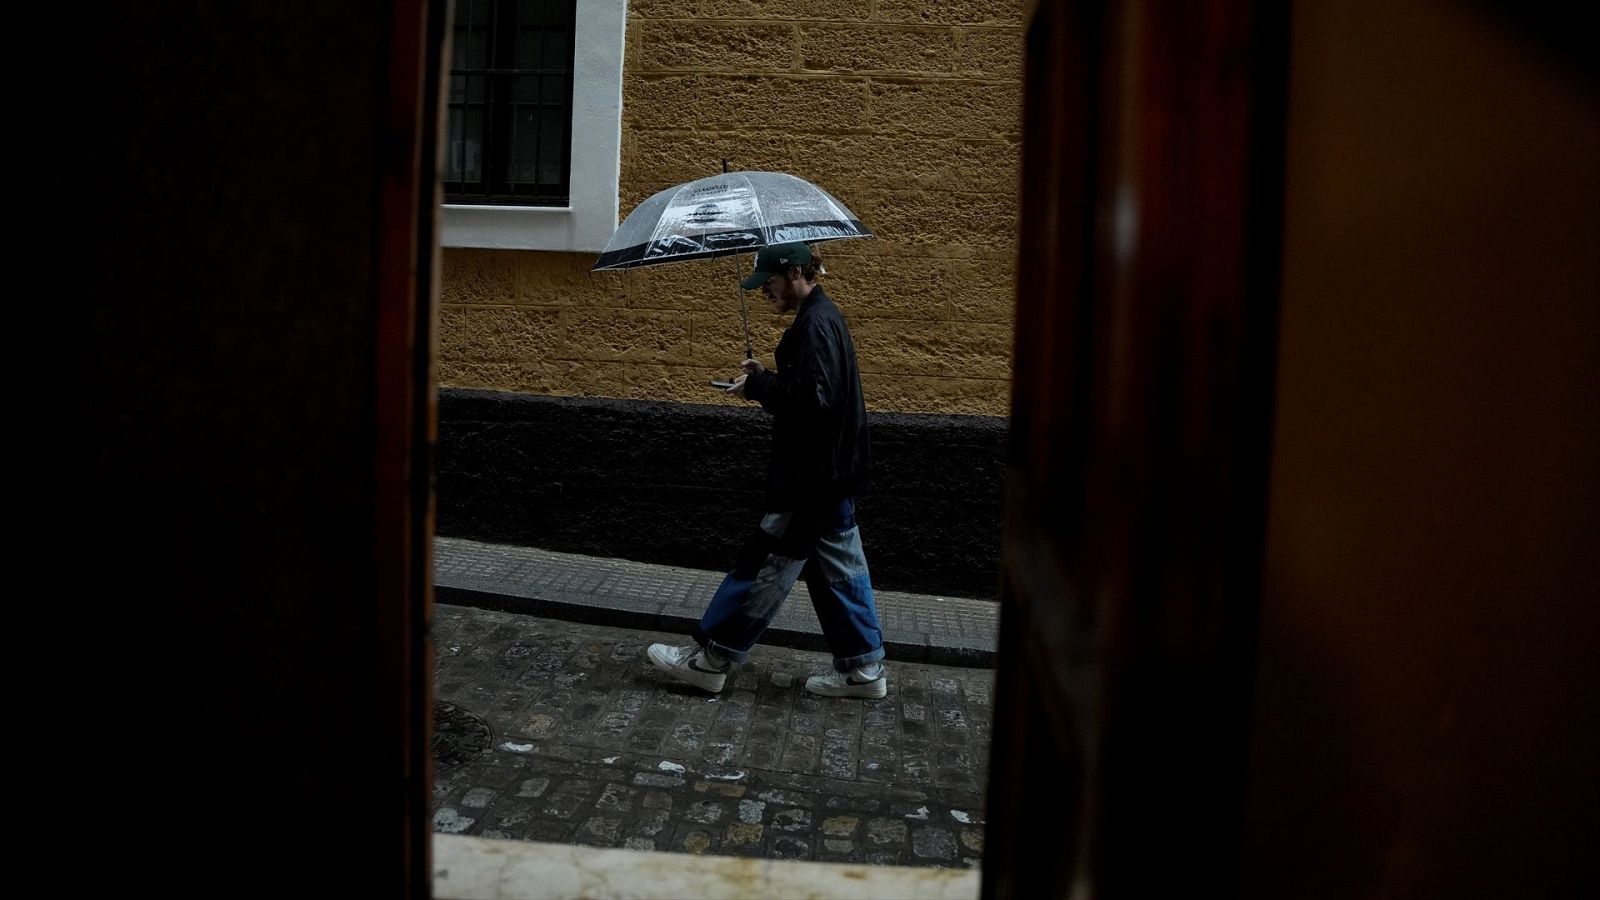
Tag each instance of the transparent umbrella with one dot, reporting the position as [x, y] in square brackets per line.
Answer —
[724, 215]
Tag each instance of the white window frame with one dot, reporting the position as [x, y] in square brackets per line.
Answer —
[590, 216]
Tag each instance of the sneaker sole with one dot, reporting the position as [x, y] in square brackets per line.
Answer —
[872, 690]
[705, 681]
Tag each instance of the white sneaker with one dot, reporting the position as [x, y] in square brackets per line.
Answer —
[688, 664]
[855, 683]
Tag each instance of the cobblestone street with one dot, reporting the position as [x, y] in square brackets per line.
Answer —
[553, 731]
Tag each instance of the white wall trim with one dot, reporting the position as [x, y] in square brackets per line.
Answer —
[596, 156]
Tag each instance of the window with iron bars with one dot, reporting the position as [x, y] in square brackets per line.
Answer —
[508, 138]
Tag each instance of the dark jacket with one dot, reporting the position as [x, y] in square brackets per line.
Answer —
[820, 450]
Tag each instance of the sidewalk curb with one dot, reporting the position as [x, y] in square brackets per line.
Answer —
[649, 616]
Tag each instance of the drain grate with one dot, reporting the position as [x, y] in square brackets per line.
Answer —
[459, 735]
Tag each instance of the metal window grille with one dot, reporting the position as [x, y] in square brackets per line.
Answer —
[508, 137]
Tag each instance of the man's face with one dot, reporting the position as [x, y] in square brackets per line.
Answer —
[783, 291]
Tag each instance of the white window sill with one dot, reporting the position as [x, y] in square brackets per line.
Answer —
[528, 227]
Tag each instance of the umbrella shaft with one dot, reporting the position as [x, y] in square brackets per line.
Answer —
[744, 318]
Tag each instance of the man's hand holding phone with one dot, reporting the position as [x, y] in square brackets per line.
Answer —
[734, 387]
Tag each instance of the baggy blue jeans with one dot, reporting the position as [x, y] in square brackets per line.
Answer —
[824, 545]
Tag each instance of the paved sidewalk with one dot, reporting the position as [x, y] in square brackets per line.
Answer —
[563, 732]
[916, 627]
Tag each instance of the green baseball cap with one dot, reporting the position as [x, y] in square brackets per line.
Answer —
[775, 259]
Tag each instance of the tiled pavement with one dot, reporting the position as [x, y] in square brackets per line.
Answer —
[555, 731]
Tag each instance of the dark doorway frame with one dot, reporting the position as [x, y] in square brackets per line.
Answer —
[1141, 416]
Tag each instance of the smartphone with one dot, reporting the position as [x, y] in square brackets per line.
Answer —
[722, 385]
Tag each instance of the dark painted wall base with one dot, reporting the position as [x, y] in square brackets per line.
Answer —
[680, 484]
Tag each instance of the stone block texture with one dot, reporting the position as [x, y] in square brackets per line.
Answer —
[908, 111]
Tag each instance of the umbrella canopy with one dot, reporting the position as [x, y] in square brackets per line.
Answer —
[735, 212]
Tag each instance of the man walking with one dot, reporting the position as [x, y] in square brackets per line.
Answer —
[819, 463]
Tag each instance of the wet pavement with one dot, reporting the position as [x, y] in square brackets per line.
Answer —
[558, 731]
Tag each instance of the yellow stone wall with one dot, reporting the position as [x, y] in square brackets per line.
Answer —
[908, 112]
